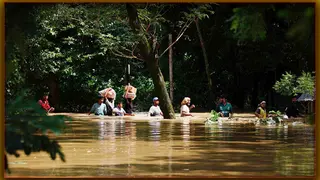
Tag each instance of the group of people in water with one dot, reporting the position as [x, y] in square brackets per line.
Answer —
[105, 105]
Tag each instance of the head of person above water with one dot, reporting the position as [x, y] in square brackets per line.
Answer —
[186, 101]
[294, 99]
[100, 99]
[222, 99]
[45, 96]
[263, 104]
[156, 101]
[120, 105]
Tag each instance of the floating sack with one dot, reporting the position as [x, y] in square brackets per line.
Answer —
[108, 93]
[130, 92]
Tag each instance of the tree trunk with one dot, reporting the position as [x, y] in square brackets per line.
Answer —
[148, 55]
[170, 68]
[160, 89]
[205, 57]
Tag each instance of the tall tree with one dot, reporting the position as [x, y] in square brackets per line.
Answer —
[149, 55]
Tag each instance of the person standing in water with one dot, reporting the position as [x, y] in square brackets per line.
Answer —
[110, 95]
[129, 96]
[185, 109]
[44, 103]
[99, 108]
[155, 108]
[292, 111]
[110, 103]
[224, 108]
[261, 111]
[119, 111]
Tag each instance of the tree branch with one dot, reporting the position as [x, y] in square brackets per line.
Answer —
[175, 40]
[120, 54]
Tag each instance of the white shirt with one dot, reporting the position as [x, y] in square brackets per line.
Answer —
[184, 108]
[155, 111]
[118, 111]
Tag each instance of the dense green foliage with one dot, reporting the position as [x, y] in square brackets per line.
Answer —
[74, 50]
[290, 85]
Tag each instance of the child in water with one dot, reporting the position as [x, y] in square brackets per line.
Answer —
[119, 111]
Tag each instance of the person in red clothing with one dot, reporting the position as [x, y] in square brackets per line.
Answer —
[44, 103]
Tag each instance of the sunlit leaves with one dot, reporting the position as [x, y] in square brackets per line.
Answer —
[200, 12]
[289, 85]
[286, 85]
[305, 83]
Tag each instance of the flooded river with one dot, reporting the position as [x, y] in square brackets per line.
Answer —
[183, 147]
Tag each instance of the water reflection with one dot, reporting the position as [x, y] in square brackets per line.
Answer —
[167, 148]
[185, 133]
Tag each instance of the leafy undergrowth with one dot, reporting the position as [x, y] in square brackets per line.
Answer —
[26, 128]
[213, 118]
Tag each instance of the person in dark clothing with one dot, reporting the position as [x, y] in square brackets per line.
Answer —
[224, 108]
[292, 110]
[110, 106]
[129, 107]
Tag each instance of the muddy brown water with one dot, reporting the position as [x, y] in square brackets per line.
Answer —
[138, 146]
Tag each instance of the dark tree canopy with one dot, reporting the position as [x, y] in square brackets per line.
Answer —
[74, 50]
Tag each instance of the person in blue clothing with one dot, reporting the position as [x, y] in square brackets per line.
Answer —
[224, 108]
[99, 108]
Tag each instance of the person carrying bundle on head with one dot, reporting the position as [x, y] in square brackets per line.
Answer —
[129, 96]
[110, 96]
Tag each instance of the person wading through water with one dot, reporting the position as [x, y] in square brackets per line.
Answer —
[44, 103]
[119, 111]
[155, 108]
[261, 111]
[110, 96]
[292, 111]
[185, 109]
[129, 96]
[224, 108]
[99, 108]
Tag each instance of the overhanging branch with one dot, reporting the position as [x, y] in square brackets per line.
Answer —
[181, 34]
[120, 54]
